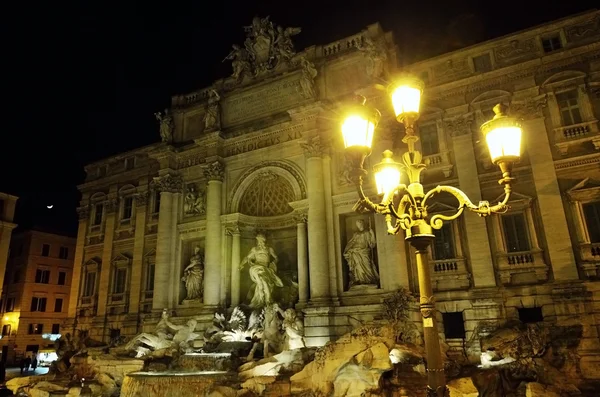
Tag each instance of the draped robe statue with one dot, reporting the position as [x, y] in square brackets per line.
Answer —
[263, 272]
[359, 255]
[193, 276]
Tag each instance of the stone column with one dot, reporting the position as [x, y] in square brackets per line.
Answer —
[477, 234]
[84, 214]
[168, 185]
[110, 208]
[226, 270]
[302, 258]
[236, 249]
[553, 220]
[318, 256]
[212, 254]
[137, 263]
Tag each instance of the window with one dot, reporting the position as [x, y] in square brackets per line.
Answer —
[98, 209]
[16, 276]
[551, 43]
[454, 325]
[63, 253]
[102, 171]
[482, 63]
[42, 276]
[36, 329]
[45, 249]
[58, 303]
[591, 212]
[443, 245]
[568, 104]
[55, 329]
[129, 163]
[531, 315]
[429, 139]
[10, 304]
[156, 208]
[62, 278]
[127, 207]
[150, 277]
[120, 280]
[38, 304]
[90, 284]
[6, 328]
[515, 233]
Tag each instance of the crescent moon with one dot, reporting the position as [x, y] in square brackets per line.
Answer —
[50, 206]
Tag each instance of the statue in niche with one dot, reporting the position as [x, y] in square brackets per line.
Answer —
[307, 81]
[294, 329]
[194, 202]
[212, 118]
[284, 48]
[240, 62]
[166, 125]
[359, 255]
[376, 56]
[193, 276]
[263, 272]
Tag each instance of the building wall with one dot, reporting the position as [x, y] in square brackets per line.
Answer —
[34, 272]
[7, 214]
[554, 265]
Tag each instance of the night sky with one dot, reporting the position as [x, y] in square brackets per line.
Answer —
[81, 82]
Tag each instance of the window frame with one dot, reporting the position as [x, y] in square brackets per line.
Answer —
[42, 271]
[63, 252]
[480, 55]
[45, 252]
[39, 306]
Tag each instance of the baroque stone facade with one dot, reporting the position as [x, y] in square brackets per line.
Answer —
[263, 149]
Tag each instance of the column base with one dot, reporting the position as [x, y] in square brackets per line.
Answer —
[319, 323]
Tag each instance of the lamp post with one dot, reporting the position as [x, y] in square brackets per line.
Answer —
[405, 206]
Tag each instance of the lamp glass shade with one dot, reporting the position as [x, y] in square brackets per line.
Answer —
[504, 143]
[387, 174]
[358, 130]
[406, 99]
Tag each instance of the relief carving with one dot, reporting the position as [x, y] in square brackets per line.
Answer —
[168, 183]
[312, 146]
[83, 212]
[460, 125]
[516, 49]
[141, 199]
[110, 206]
[195, 201]
[588, 29]
[376, 55]
[531, 108]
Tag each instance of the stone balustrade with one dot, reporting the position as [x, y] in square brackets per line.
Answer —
[590, 259]
[339, 46]
[564, 137]
[439, 161]
[527, 267]
[450, 274]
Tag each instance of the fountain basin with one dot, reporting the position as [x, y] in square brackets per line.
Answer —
[174, 383]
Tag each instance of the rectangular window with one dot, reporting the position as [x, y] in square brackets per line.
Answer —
[551, 43]
[45, 249]
[6, 330]
[98, 209]
[36, 329]
[62, 278]
[568, 104]
[482, 63]
[55, 329]
[42, 276]
[429, 139]
[515, 233]
[591, 212]
[127, 207]
[150, 277]
[63, 253]
[10, 304]
[38, 304]
[156, 208]
[443, 245]
[58, 302]
[129, 163]
[120, 280]
[454, 325]
[90, 284]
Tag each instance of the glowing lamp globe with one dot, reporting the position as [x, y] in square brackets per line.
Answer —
[359, 125]
[387, 174]
[503, 137]
[406, 97]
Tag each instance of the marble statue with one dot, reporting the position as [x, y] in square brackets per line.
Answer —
[284, 46]
[307, 82]
[212, 118]
[193, 276]
[376, 56]
[262, 261]
[294, 329]
[194, 202]
[359, 255]
[240, 61]
[166, 125]
[271, 336]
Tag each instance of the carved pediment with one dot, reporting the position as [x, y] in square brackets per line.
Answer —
[121, 258]
[517, 201]
[439, 207]
[150, 253]
[490, 96]
[93, 263]
[567, 77]
[586, 190]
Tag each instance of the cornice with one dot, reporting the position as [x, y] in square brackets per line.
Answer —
[579, 161]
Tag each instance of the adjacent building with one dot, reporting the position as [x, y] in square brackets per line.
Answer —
[260, 153]
[7, 214]
[35, 297]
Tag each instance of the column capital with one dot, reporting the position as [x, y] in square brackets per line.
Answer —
[141, 199]
[168, 183]
[214, 171]
[83, 212]
[300, 216]
[460, 125]
[530, 108]
[233, 230]
[312, 146]
[110, 205]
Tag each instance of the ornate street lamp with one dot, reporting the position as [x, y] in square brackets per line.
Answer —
[406, 206]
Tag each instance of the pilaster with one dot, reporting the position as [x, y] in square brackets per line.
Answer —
[302, 243]
[137, 265]
[235, 265]
[84, 214]
[214, 173]
[110, 209]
